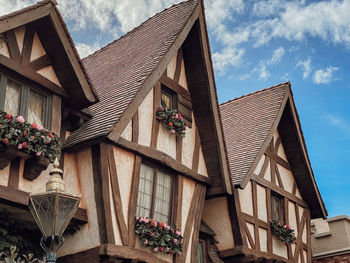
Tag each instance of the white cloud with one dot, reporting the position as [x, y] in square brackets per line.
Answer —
[276, 56]
[262, 71]
[324, 76]
[267, 8]
[244, 77]
[327, 20]
[338, 122]
[227, 57]
[7, 6]
[306, 65]
[85, 49]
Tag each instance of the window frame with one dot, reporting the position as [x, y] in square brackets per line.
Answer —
[205, 246]
[281, 217]
[157, 168]
[172, 94]
[24, 98]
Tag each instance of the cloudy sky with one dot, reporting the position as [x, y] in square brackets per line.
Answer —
[257, 44]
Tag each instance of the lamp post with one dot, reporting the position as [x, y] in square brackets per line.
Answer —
[52, 211]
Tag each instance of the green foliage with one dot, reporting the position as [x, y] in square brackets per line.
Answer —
[172, 121]
[12, 256]
[159, 236]
[26, 137]
[24, 235]
[283, 233]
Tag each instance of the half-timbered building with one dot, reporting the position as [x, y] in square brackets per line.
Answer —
[115, 152]
[272, 180]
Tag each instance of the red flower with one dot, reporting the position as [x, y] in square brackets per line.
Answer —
[161, 249]
[161, 225]
[171, 124]
[51, 134]
[180, 117]
[160, 108]
[8, 116]
[171, 252]
[35, 126]
[24, 144]
[6, 141]
[154, 223]
[25, 133]
[172, 231]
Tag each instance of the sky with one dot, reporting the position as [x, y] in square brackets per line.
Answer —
[255, 45]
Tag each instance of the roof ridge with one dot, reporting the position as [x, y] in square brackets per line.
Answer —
[256, 92]
[27, 8]
[134, 29]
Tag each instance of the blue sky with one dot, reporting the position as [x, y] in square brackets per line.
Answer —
[257, 44]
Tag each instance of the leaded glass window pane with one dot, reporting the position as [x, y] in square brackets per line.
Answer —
[13, 97]
[166, 100]
[144, 198]
[162, 199]
[276, 208]
[36, 107]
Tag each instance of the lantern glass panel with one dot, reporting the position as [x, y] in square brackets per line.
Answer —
[66, 207]
[44, 209]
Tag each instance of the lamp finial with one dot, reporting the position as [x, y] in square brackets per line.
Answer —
[55, 183]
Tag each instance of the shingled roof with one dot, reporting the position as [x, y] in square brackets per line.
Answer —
[246, 122]
[119, 69]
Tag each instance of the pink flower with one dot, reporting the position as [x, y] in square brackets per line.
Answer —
[146, 220]
[178, 233]
[175, 241]
[176, 116]
[155, 249]
[145, 242]
[179, 252]
[161, 225]
[39, 127]
[137, 218]
[167, 249]
[25, 133]
[51, 134]
[154, 223]
[167, 227]
[5, 140]
[24, 144]
[141, 219]
[38, 154]
[35, 126]
[20, 119]
[285, 226]
[172, 131]
[20, 146]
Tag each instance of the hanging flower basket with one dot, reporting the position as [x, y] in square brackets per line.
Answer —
[283, 233]
[172, 121]
[158, 235]
[19, 138]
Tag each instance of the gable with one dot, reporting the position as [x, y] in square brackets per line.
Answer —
[128, 81]
[262, 114]
[37, 45]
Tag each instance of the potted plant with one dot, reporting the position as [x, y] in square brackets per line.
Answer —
[283, 233]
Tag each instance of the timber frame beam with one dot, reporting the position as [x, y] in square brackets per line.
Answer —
[20, 199]
[163, 158]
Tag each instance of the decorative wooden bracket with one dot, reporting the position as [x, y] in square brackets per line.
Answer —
[34, 166]
[8, 154]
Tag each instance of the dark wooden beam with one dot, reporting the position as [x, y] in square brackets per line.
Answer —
[12, 45]
[129, 253]
[32, 75]
[14, 173]
[163, 158]
[40, 63]
[27, 44]
[19, 198]
[173, 85]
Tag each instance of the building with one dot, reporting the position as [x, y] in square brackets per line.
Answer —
[120, 115]
[271, 177]
[331, 239]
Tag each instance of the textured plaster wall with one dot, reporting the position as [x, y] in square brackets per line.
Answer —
[220, 224]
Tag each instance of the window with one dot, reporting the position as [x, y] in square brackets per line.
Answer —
[277, 207]
[168, 98]
[155, 194]
[19, 99]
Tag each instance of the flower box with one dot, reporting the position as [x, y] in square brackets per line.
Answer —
[172, 121]
[158, 236]
[34, 166]
[283, 233]
[9, 153]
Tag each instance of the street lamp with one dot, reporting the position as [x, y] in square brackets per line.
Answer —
[52, 211]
